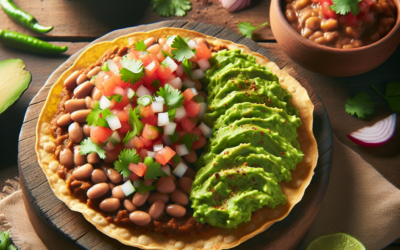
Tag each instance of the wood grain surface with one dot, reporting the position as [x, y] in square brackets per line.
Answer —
[51, 217]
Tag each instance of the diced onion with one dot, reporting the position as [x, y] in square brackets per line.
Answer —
[130, 93]
[151, 154]
[188, 83]
[113, 122]
[206, 130]
[112, 66]
[202, 110]
[104, 102]
[179, 70]
[198, 74]
[204, 64]
[170, 40]
[166, 169]
[182, 150]
[163, 119]
[142, 91]
[159, 99]
[180, 169]
[108, 147]
[180, 113]
[157, 147]
[192, 44]
[171, 64]
[157, 107]
[128, 188]
[176, 83]
[151, 66]
[167, 141]
[115, 138]
[119, 91]
[169, 129]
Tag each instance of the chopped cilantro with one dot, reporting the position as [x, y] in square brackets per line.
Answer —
[343, 7]
[117, 98]
[187, 67]
[132, 70]
[247, 29]
[166, 54]
[142, 188]
[171, 7]
[181, 49]
[174, 138]
[94, 77]
[176, 158]
[140, 46]
[165, 64]
[105, 67]
[173, 97]
[188, 140]
[392, 96]
[153, 169]
[5, 242]
[171, 114]
[136, 124]
[88, 146]
[95, 119]
[360, 105]
[156, 83]
[125, 157]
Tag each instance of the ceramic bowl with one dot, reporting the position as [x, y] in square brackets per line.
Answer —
[331, 61]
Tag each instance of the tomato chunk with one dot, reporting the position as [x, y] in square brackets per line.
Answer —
[137, 143]
[165, 155]
[151, 120]
[197, 131]
[192, 108]
[138, 169]
[145, 142]
[150, 132]
[188, 94]
[203, 51]
[134, 177]
[108, 86]
[146, 111]
[187, 124]
[146, 58]
[100, 134]
[201, 142]
[121, 105]
[143, 153]
[151, 68]
[163, 72]
[125, 127]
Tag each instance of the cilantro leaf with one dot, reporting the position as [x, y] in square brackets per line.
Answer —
[88, 147]
[171, 114]
[174, 138]
[136, 124]
[173, 97]
[156, 83]
[171, 7]
[188, 140]
[181, 50]
[142, 188]
[5, 242]
[247, 29]
[153, 171]
[140, 46]
[187, 67]
[94, 115]
[343, 7]
[117, 98]
[132, 70]
[392, 96]
[360, 105]
[124, 158]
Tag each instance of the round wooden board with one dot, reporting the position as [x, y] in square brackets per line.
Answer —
[60, 228]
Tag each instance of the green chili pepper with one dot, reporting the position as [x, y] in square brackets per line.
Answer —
[23, 18]
[25, 42]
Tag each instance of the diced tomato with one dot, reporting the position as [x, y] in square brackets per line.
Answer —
[194, 58]
[364, 7]
[125, 127]
[158, 141]
[160, 56]
[146, 111]
[122, 115]
[328, 13]
[187, 124]
[188, 94]
[143, 153]
[146, 58]
[201, 142]
[169, 78]
[150, 69]
[137, 143]
[119, 82]
[178, 125]
[134, 54]
[101, 77]
[138, 169]
[100, 134]
[146, 143]
[150, 132]
[112, 155]
[151, 120]
[203, 51]
[134, 177]
[192, 108]
[197, 131]
[165, 155]
[137, 85]
[348, 19]
[121, 105]
[163, 72]
[109, 86]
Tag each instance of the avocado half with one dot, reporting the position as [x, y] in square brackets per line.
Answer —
[14, 80]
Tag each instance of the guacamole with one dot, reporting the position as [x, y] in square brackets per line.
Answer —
[254, 144]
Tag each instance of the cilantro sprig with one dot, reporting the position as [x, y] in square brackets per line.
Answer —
[173, 97]
[187, 67]
[153, 169]
[140, 46]
[95, 119]
[126, 157]
[392, 96]
[88, 146]
[136, 124]
[5, 242]
[181, 49]
[169, 8]
[142, 188]
[132, 70]
[247, 29]
[343, 7]
[360, 105]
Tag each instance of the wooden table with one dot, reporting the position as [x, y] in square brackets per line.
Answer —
[77, 22]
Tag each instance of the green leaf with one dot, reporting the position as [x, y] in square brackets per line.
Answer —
[343, 7]
[88, 146]
[132, 70]
[188, 140]
[173, 97]
[105, 67]
[171, 114]
[174, 138]
[94, 115]
[169, 8]
[136, 124]
[392, 96]
[181, 49]
[153, 171]
[156, 83]
[140, 46]
[4, 240]
[126, 157]
[117, 98]
[143, 188]
[360, 105]
[247, 29]
[187, 67]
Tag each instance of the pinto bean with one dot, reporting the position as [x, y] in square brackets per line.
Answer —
[93, 72]
[313, 23]
[306, 32]
[86, 130]
[79, 159]
[118, 193]
[175, 210]
[166, 185]
[88, 101]
[330, 24]
[96, 94]
[191, 157]
[80, 115]
[70, 82]
[129, 205]
[162, 41]
[66, 158]
[74, 105]
[139, 199]
[190, 173]
[97, 190]
[140, 218]
[111, 185]
[180, 197]
[64, 120]
[83, 90]
[291, 16]
[93, 158]
[98, 176]
[110, 204]
[202, 40]
[154, 49]
[158, 196]
[81, 78]
[75, 132]
[185, 183]
[156, 210]
[149, 41]
[83, 172]
[114, 176]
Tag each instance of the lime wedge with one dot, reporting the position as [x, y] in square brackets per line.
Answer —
[337, 241]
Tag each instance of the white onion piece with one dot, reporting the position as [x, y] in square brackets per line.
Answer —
[202, 110]
[104, 102]
[113, 122]
[198, 74]
[108, 147]
[188, 83]
[142, 91]
[204, 64]
[130, 93]
[166, 169]
[157, 147]
[159, 99]
[176, 83]
[151, 66]
[119, 91]
[180, 113]
[129, 144]
[182, 150]
[151, 154]
[169, 129]
[170, 40]
[128, 188]
[206, 130]
[192, 44]
[180, 169]
[179, 70]
[157, 107]
[167, 141]
[163, 119]
[171, 64]
[115, 138]
[376, 135]
[112, 66]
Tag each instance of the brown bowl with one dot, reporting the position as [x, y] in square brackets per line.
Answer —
[331, 61]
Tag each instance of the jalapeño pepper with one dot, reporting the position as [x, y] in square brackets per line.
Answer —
[28, 43]
[23, 18]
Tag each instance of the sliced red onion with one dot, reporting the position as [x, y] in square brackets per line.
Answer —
[176, 83]
[169, 129]
[157, 147]
[128, 188]
[179, 70]
[167, 141]
[180, 113]
[112, 66]
[104, 102]
[157, 106]
[166, 169]
[192, 44]
[375, 135]
[151, 154]
[142, 91]
[163, 119]
[197, 74]
[182, 150]
[202, 110]
[119, 91]
[206, 130]
[204, 64]
[108, 147]
[188, 83]
[171, 64]
[113, 122]
[180, 169]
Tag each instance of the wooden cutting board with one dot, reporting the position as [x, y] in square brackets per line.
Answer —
[61, 228]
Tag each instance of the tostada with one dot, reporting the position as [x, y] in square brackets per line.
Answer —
[173, 139]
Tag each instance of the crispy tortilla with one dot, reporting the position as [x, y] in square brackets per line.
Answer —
[218, 238]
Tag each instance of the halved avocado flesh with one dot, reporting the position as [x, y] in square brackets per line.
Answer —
[14, 80]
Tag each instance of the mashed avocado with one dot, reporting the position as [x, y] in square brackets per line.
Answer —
[254, 144]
